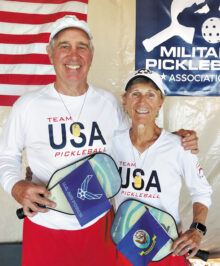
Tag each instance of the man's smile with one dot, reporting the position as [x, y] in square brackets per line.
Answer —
[74, 67]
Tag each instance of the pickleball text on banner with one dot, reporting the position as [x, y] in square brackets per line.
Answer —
[180, 40]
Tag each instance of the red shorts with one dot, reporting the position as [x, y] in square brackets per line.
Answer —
[48, 247]
[168, 261]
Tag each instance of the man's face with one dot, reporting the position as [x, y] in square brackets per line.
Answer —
[71, 55]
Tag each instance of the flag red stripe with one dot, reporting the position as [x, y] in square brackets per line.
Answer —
[36, 19]
[21, 79]
[50, 1]
[8, 100]
[25, 39]
[24, 59]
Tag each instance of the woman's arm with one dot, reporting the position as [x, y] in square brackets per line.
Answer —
[191, 239]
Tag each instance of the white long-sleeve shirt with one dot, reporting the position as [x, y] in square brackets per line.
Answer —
[161, 169]
[40, 123]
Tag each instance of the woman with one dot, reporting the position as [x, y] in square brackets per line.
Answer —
[153, 163]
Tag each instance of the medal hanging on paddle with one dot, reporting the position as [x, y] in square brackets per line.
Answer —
[75, 128]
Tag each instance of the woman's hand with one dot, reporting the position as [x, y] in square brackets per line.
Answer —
[189, 241]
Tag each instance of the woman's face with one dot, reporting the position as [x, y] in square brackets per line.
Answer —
[142, 102]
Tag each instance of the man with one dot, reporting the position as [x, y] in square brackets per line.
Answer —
[57, 125]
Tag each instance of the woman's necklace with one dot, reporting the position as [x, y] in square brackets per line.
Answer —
[137, 178]
[75, 127]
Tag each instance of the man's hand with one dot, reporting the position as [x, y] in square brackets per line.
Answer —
[189, 140]
[190, 240]
[28, 194]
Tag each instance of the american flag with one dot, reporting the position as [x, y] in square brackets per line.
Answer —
[24, 34]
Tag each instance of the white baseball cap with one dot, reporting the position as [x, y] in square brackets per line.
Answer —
[147, 73]
[69, 21]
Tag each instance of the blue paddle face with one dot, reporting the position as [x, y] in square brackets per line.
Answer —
[105, 170]
[130, 212]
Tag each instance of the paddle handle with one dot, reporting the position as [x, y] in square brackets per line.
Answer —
[202, 254]
[20, 212]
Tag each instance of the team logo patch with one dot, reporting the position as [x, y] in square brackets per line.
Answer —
[82, 192]
[143, 71]
[141, 239]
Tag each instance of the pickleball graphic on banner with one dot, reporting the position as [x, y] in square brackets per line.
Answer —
[84, 193]
[143, 240]
[181, 40]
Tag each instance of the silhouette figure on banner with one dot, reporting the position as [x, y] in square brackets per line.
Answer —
[206, 20]
[179, 24]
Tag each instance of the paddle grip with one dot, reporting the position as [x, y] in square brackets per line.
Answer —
[20, 212]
